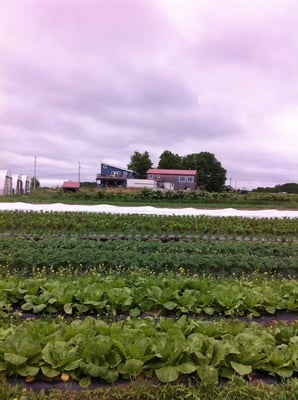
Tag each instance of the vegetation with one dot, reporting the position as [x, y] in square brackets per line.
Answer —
[147, 307]
[210, 174]
[160, 198]
[140, 163]
[285, 188]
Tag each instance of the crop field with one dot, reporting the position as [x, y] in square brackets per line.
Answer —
[163, 306]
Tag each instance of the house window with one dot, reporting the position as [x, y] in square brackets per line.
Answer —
[190, 179]
[182, 179]
[150, 176]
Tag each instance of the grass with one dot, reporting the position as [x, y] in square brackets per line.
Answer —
[236, 390]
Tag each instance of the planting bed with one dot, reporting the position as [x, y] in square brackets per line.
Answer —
[97, 299]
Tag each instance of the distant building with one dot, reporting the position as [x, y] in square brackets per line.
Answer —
[70, 187]
[17, 184]
[177, 179]
[5, 182]
[111, 176]
[26, 181]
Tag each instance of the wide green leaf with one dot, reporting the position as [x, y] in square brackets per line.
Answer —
[14, 359]
[241, 369]
[168, 373]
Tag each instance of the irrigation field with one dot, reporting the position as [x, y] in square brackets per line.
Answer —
[101, 297]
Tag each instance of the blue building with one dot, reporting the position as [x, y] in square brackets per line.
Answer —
[110, 176]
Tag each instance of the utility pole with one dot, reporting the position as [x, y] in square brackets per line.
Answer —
[34, 181]
[79, 172]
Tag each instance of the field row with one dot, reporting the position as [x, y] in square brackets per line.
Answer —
[222, 258]
[86, 223]
[136, 293]
[167, 349]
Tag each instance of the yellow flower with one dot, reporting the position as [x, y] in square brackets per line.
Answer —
[64, 377]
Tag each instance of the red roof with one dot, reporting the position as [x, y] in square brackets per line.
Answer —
[157, 171]
[71, 185]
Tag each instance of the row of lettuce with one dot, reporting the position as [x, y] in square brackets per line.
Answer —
[136, 293]
[167, 349]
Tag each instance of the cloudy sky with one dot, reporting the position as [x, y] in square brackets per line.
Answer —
[91, 81]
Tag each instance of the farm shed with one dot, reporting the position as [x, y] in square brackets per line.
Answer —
[70, 187]
[110, 176]
[17, 184]
[179, 179]
[26, 184]
[5, 182]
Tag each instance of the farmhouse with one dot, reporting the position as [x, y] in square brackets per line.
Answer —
[110, 176]
[5, 182]
[178, 179]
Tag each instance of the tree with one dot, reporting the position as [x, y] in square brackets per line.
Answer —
[210, 173]
[140, 163]
[36, 185]
[169, 160]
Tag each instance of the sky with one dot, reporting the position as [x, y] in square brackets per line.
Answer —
[84, 82]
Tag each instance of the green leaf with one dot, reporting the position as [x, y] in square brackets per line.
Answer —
[131, 367]
[209, 310]
[170, 305]
[94, 370]
[3, 366]
[68, 308]
[49, 372]
[85, 382]
[27, 370]
[167, 374]
[135, 312]
[241, 369]
[39, 308]
[27, 306]
[208, 374]
[285, 372]
[14, 359]
[187, 368]
[270, 310]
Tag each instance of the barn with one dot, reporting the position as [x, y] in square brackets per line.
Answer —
[70, 187]
[178, 179]
[5, 182]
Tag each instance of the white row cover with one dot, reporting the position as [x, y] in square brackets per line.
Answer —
[148, 210]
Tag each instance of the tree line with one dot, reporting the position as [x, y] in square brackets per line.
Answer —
[210, 173]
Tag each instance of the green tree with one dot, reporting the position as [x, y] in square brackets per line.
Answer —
[140, 163]
[37, 184]
[210, 172]
[169, 160]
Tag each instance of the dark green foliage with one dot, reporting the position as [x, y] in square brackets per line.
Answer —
[169, 160]
[210, 173]
[140, 163]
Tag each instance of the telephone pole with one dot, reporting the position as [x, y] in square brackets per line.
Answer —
[79, 172]
[34, 181]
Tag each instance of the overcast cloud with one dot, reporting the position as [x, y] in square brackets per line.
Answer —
[92, 81]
